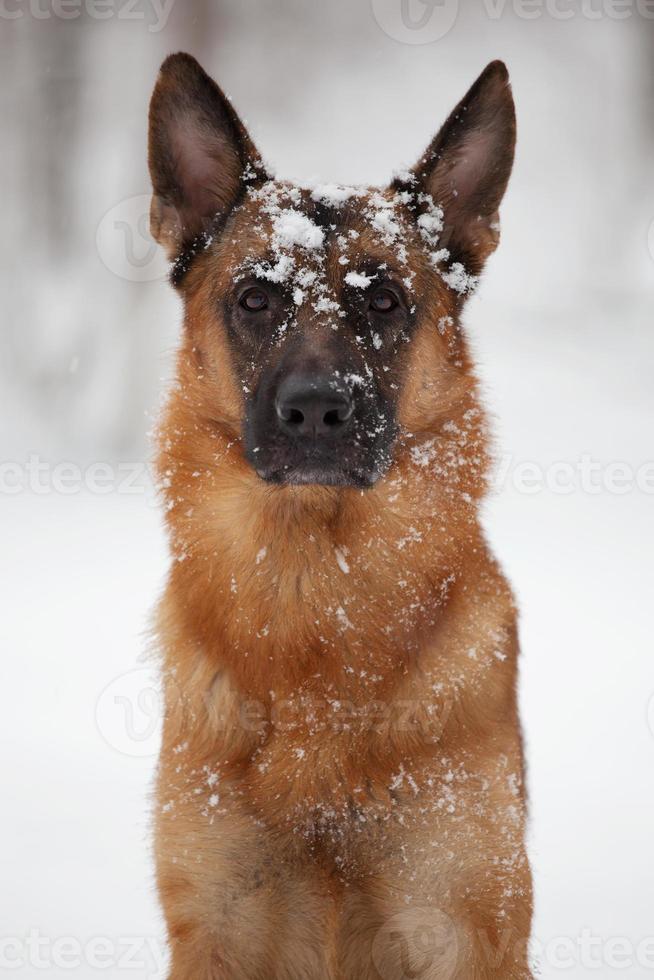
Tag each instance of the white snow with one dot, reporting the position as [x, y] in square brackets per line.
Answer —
[384, 222]
[341, 560]
[430, 224]
[458, 279]
[292, 227]
[334, 194]
[423, 453]
[279, 272]
[343, 619]
[358, 279]
[326, 305]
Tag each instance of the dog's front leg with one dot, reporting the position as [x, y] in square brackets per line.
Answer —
[238, 904]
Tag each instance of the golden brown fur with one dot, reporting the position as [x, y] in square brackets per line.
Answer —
[340, 793]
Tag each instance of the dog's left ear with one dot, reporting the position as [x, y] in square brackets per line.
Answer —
[199, 153]
[467, 167]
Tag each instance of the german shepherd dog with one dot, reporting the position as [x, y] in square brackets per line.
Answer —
[340, 790]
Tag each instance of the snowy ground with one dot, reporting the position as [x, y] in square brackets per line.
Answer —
[81, 571]
[581, 566]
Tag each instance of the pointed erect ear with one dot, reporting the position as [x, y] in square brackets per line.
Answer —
[467, 167]
[199, 153]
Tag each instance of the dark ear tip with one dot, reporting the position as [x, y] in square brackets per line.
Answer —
[180, 63]
[494, 84]
[496, 69]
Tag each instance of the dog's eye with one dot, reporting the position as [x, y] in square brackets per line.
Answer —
[383, 301]
[254, 300]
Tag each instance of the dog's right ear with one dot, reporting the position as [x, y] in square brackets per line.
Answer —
[198, 152]
[467, 166]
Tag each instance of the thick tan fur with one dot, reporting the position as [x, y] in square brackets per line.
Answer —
[341, 792]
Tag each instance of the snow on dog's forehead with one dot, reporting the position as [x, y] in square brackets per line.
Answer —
[303, 236]
[291, 227]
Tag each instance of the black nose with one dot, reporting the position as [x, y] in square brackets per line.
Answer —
[313, 406]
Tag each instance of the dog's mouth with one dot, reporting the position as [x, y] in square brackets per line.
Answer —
[313, 473]
[305, 464]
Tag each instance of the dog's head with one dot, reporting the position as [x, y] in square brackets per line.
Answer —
[322, 323]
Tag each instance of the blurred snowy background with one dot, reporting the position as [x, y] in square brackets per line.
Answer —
[347, 90]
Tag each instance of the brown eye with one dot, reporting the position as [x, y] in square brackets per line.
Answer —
[254, 300]
[383, 301]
